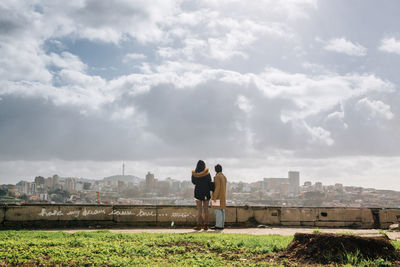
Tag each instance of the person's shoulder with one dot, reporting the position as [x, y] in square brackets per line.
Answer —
[201, 174]
[219, 175]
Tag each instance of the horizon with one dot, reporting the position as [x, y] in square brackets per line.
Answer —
[261, 88]
[302, 180]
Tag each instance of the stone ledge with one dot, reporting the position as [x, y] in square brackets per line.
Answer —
[81, 215]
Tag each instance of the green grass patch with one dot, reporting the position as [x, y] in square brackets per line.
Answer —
[102, 248]
[113, 249]
[396, 244]
[4, 199]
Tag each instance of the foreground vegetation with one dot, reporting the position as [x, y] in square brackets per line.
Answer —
[105, 248]
[113, 249]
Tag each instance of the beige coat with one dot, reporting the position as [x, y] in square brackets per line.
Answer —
[220, 190]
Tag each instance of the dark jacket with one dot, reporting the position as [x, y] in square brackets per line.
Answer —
[202, 182]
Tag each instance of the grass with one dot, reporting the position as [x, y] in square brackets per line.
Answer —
[354, 259]
[396, 244]
[316, 231]
[103, 248]
[113, 249]
[5, 199]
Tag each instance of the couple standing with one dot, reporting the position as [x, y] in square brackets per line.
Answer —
[201, 178]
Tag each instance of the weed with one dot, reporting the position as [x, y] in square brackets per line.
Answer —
[316, 231]
[383, 233]
[346, 233]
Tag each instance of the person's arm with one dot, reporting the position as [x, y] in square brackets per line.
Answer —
[211, 184]
[193, 180]
[217, 190]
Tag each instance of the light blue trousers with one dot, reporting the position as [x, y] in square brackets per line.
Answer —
[219, 218]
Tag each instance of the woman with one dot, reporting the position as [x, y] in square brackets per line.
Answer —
[201, 178]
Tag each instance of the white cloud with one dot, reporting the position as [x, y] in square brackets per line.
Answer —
[341, 45]
[244, 103]
[313, 94]
[390, 45]
[67, 60]
[225, 30]
[336, 119]
[375, 108]
[285, 9]
[213, 35]
[110, 22]
[320, 135]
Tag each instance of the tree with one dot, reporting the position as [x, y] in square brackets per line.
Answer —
[3, 192]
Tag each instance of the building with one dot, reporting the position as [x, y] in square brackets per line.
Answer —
[294, 181]
[69, 184]
[150, 181]
[33, 189]
[24, 187]
[121, 186]
[319, 187]
[339, 187]
[48, 183]
[39, 180]
[79, 186]
[290, 185]
[274, 184]
[86, 186]
[307, 184]
[56, 180]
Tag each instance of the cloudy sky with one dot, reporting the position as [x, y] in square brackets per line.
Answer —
[262, 87]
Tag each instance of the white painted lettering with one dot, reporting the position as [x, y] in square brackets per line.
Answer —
[145, 213]
[122, 212]
[45, 213]
[74, 213]
[92, 212]
[180, 215]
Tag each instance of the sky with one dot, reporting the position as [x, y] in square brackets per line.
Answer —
[260, 87]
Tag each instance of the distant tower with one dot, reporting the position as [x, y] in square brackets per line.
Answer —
[123, 168]
[149, 180]
[294, 181]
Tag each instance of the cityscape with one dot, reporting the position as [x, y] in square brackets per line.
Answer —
[128, 189]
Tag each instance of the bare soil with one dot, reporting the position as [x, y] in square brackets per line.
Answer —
[325, 248]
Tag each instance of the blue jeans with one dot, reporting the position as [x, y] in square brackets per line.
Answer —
[219, 218]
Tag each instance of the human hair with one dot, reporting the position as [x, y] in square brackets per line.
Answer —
[218, 168]
[200, 166]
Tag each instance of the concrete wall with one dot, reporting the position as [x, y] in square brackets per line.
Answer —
[62, 215]
[388, 216]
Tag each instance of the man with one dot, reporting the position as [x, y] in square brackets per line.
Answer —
[219, 194]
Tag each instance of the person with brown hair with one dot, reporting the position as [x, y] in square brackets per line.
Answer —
[201, 178]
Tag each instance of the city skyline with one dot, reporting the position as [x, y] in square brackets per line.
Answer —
[260, 88]
[167, 172]
[126, 189]
[298, 180]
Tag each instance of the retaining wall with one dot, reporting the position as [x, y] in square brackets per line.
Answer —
[65, 215]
